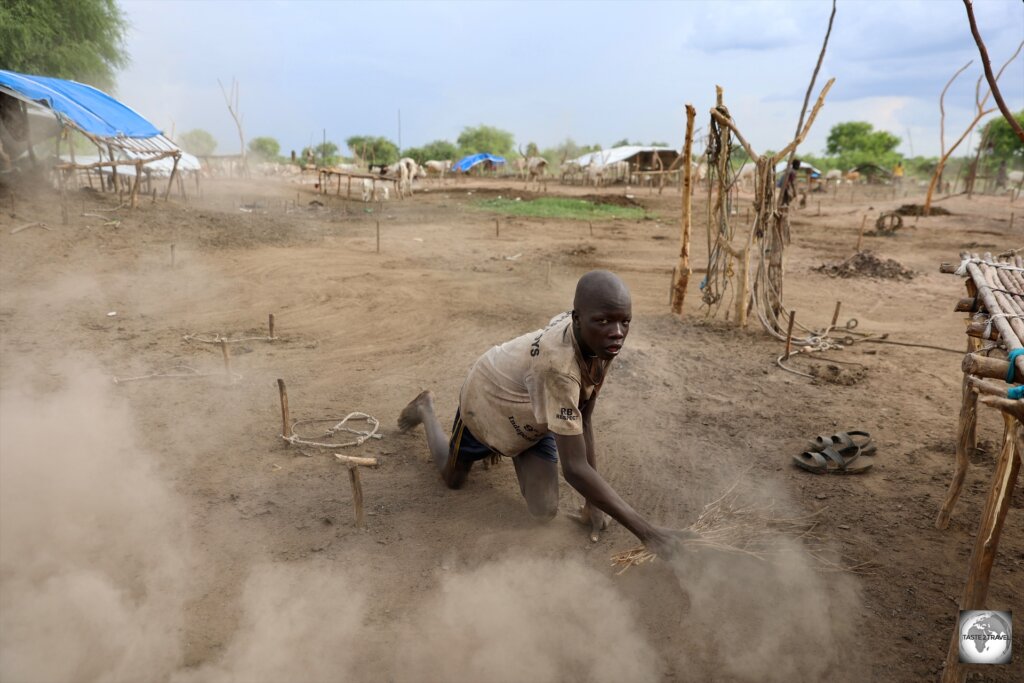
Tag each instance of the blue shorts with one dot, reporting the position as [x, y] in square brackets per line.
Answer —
[466, 448]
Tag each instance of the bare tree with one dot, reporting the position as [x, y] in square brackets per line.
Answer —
[980, 113]
[231, 100]
[987, 66]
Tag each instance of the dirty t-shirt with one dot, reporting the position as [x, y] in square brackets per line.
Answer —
[519, 391]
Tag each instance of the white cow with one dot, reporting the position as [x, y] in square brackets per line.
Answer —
[374, 191]
[438, 168]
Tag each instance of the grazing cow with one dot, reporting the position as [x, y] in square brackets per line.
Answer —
[533, 169]
[745, 176]
[595, 173]
[374, 192]
[438, 168]
[834, 176]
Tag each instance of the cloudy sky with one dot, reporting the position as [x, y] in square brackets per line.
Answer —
[593, 71]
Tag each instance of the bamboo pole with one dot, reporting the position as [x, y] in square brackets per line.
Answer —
[286, 423]
[681, 274]
[986, 542]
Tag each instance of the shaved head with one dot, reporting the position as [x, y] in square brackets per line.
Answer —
[600, 288]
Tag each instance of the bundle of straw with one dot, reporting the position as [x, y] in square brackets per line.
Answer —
[730, 525]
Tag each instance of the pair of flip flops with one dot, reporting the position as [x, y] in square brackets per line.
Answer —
[842, 453]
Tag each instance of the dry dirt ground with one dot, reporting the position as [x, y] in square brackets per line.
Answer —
[160, 529]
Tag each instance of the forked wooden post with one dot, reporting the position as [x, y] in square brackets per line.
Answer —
[270, 325]
[987, 541]
[286, 423]
[681, 273]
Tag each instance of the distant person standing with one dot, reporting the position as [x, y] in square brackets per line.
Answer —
[788, 184]
[1001, 176]
[897, 173]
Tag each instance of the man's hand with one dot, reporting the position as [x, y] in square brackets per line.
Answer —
[590, 516]
[665, 542]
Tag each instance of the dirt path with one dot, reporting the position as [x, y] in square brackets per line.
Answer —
[179, 501]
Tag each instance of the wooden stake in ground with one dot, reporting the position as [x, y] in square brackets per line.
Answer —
[835, 315]
[860, 237]
[681, 274]
[227, 359]
[172, 256]
[270, 325]
[286, 423]
[378, 237]
[789, 335]
[357, 494]
[497, 228]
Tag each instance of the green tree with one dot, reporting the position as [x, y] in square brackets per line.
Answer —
[438, 150]
[1001, 143]
[473, 140]
[324, 153]
[266, 148]
[378, 150]
[660, 144]
[81, 40]
[198, 142]
[857, 142]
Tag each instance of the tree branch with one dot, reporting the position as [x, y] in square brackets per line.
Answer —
[987, 66]
[807, 98]
[942, 108]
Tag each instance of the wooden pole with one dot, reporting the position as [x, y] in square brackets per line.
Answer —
[378, 237]
[497, 228]
[860, 237]
[835, 315]
[1011, 220]
[357, 494]
[789, 335]
[355, 460]
[174, 173]
[547, 278]
[270, 325]
[987, 541]
[227, 359]
[966, 441]
[286, 423]
[172, 256]
[348, 192]
[681, 273]
[135, 185]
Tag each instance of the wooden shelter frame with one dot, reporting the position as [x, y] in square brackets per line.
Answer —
[995, 304]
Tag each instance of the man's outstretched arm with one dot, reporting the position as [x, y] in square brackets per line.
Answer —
[578, 472]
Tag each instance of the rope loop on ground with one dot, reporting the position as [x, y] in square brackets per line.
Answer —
[361, 435]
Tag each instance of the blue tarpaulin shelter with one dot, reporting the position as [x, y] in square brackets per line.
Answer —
[121, 135]
[90, 110]
[466, 163]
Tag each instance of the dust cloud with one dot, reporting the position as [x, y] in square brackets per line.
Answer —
[93, 547]
[96, 575]
[527, 620]
[299, 622]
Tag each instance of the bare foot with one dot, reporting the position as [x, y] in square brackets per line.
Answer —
[412, 414]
